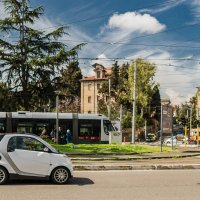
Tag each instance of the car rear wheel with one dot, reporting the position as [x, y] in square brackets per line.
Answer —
[3, 176]
[60, 175]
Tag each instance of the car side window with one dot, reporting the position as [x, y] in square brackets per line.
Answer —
[12, 143]
[26, 143]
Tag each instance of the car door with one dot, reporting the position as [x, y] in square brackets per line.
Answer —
[28, 155]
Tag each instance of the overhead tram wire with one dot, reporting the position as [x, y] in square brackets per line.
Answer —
[147, 59]
[136, 44]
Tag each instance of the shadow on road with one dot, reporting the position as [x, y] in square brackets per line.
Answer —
[75, 181]
[80, 181]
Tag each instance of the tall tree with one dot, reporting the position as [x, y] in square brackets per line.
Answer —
[31, 61]
[145, 85]
[124, 89]
[144, 82]
[104, 91]
[114, 78]
[70, 87]
[7, 99]
[70, 79]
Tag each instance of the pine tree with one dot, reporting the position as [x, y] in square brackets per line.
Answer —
[32, 59]
[70, 87]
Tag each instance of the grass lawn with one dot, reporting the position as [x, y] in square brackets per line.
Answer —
[107, 148]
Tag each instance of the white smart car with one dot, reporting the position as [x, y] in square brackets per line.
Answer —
[25, 156]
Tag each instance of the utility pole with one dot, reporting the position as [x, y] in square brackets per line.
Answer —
[109, 85]
[161, 127]
[120, 118]
[190, 133]
[57, 117]
[145, 129]
[134, 103]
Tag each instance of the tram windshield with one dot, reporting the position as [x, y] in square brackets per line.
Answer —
[107, 126]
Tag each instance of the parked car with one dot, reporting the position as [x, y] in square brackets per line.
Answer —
[170, 140]
[181, 137]
[28, 156]
[151, 137]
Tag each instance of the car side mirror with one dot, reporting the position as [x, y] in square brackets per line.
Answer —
[11, 149]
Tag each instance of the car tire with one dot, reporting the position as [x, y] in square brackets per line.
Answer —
[60, 175]
[3, 176]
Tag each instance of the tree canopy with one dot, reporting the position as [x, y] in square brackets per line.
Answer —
[30, 61]
[147, 92]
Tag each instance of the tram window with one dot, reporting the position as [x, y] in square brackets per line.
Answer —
[89, 128]
[40, 128]
[107, 126]
[2, 128]
[24, 128]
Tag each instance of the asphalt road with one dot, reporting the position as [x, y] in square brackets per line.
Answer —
[111, 185]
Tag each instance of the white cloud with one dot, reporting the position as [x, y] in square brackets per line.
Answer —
[135, 22]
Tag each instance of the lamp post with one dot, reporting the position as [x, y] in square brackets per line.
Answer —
[109, 86]
[57, 117]
[161, 126]
[134, 103]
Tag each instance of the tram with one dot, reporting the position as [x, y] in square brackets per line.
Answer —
[89, 128]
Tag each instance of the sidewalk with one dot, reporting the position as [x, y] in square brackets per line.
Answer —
[189, 159]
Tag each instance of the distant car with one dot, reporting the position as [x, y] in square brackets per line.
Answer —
[170, 140]
[181, 137]
[151, 137]
[28, 156]
[176, 140]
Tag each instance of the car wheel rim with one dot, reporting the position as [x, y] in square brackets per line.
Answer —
[2, 175]
[61, 175]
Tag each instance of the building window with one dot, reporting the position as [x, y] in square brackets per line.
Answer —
[98, 86]
[98, 74]
[89, 99]
[89, 86]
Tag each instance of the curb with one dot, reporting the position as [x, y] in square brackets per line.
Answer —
[134, 158]
[134, 167]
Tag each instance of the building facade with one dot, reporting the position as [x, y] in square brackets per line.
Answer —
[90, 86]
[198, 103]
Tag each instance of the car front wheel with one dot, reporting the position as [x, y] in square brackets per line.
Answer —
[60, 175]
[3, 176]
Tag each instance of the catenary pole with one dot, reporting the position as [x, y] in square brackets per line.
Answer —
[134, 103]
[57, 118]
[109, 100]
[161, 127]
[120, 118]
[190, 133]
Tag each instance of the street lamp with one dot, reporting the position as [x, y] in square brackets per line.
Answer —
[134, 103]
[57, 117]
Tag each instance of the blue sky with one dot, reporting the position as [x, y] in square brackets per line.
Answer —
[165, 32]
